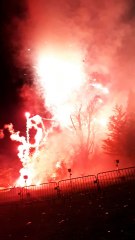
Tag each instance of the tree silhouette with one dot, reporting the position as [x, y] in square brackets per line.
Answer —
[114, 144]
[83, 125]
[130, 137]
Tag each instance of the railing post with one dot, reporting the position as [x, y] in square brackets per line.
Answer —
[98, 183]
[57, 188]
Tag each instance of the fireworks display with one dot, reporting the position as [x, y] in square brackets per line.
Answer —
[74, 50]
[36, 147]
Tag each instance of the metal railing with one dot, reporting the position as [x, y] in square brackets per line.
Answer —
[116, 177]
[85, 184]
[10, 194]
[42, 191]
[33, 192]
[77, 185]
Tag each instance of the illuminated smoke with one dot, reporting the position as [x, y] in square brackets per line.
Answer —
[78, 50]
[68, 42]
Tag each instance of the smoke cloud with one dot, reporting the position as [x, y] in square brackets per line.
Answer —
[103, 32]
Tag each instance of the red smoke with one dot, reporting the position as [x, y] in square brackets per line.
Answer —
[79, 51]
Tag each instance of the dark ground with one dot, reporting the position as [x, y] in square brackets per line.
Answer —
[103, 215]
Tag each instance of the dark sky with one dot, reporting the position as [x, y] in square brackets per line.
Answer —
[11, 76]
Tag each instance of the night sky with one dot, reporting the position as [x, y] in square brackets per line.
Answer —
[12, 77]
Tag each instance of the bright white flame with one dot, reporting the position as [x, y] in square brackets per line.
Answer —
[24, 154]
[60, 78]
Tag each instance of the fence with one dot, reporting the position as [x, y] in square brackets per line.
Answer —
[90, 184]
[77, 185]
[116, 177]
[45, 190]
[10, 194]
[33, 192]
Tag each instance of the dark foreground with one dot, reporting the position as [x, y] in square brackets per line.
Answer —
[108, 214]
